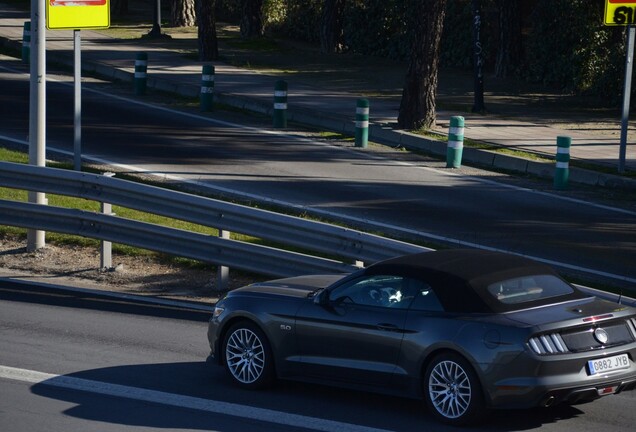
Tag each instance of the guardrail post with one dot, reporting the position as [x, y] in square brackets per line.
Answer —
[26, 42]
[562, 171]
[455, 142]
[280, 104]
[141, 76]
[362, 123]
[36, 238]
[222, 272]
[106, 247]
[207, 88]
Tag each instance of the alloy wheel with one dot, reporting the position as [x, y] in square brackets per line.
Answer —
[245, 355]
[450, 390]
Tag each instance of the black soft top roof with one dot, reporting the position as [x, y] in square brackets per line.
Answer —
[460, 277]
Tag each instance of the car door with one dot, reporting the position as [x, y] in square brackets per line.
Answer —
[354, 334]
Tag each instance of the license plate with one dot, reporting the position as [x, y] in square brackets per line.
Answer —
[608, 364]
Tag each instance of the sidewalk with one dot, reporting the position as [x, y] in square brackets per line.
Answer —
[332, 107]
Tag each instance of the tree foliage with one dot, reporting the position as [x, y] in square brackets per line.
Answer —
[252, 22]
[509, 51]
[559, 43]
[119, 8]
[571, 50]
[331, 26]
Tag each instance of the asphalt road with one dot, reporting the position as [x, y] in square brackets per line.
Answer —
[389, 190]
[82, 361]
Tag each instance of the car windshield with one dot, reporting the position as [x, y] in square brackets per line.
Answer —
[529, 288]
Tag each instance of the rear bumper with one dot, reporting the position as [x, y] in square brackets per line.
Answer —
[541, 395]
[588, 393]
[529, 381]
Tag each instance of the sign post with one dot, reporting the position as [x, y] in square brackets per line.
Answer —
[623, 13]
[37, 111]
[77, 94]
[627, 90]
[77, 15]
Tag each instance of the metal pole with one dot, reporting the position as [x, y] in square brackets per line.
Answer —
[77, 136]
[629, 64]
[478, 105]
[37, 109]
[106, 247]
[156, 18]
[222, 272]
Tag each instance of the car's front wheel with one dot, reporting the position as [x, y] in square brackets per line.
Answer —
[452, 390]
[248, 356]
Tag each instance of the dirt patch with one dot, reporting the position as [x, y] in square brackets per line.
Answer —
[78, 266]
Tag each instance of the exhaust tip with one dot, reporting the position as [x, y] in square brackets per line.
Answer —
[547, 402]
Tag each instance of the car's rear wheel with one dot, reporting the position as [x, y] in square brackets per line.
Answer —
[452, 390]
[248, 356]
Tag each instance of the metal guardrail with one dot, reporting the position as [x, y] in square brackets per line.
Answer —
[278, 228]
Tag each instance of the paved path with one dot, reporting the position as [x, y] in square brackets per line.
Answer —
[311, 102]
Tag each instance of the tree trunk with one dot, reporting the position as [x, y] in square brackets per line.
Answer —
[208, 44]
[509, 54]
[417, 108]
[331, 27]
[252, 19]
[182, 13]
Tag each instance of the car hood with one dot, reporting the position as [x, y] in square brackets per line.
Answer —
[571, 313]
[299, 286]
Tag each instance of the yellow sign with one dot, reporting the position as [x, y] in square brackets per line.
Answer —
[77, 14]
[620, 12]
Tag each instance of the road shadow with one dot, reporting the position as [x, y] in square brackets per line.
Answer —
[202, 384]
[62, 296]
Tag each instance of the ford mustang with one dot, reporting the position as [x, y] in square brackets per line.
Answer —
[466, 330]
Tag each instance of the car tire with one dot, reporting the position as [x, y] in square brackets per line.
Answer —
[452, 390]
[247, 356]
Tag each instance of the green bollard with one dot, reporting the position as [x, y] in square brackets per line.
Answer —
[26, 42]
[362, 123]
[207, 88]
[141, 77]
[455, 142]
[280, 104]
[562, 171]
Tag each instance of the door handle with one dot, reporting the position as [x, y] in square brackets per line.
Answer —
[387, 327]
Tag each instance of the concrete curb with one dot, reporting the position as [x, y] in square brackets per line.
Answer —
[377, 133]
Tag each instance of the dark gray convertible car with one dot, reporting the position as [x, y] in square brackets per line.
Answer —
[466, 330]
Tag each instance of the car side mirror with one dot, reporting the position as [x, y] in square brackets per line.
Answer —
[322, 298]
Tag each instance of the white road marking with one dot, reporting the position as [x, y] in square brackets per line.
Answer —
[181, 401]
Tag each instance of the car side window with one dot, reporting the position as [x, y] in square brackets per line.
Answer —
[529, 288]
[377, 290]
[425, 298]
